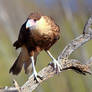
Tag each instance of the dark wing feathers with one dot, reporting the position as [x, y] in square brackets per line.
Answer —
[21, 38]
[17, 66]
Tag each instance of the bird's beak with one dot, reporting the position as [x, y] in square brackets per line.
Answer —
[30, 23]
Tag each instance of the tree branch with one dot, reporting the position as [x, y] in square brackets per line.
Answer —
[66, 63]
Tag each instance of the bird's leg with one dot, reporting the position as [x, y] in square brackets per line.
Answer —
[56, 66]
[34, 71]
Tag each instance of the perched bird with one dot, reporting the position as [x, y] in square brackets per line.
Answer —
[38, 33]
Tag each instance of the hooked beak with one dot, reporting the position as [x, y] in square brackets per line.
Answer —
[30, 23]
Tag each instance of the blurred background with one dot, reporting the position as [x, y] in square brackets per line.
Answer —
[70, 15]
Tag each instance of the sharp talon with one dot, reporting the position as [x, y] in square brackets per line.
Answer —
[51, 64]
[56, 67]
[35, 79]
[57, 70]
[41, 78]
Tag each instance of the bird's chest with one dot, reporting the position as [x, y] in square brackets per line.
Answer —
[41, 29]
[39, 35]
[42, 38]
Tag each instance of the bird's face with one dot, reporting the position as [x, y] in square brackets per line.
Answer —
[30, 24]
[38, 24]
[34, 24]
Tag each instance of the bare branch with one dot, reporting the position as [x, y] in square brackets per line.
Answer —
[66, 63]
[8, 89]
[79, 41]
[88, 26]
[48, 72]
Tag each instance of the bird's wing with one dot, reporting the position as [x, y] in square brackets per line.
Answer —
[21, 37]
[23, 57]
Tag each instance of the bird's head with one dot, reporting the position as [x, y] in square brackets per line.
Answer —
[31, 22]
[37, 21]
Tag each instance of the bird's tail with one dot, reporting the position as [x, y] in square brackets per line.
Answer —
[23, 59]
[17, 66]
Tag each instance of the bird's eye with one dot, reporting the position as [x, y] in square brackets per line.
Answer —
[35, 20]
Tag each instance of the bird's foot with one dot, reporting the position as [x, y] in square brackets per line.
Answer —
[56, 66]
[36, 76]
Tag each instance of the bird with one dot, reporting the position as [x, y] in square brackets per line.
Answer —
[39, 32]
